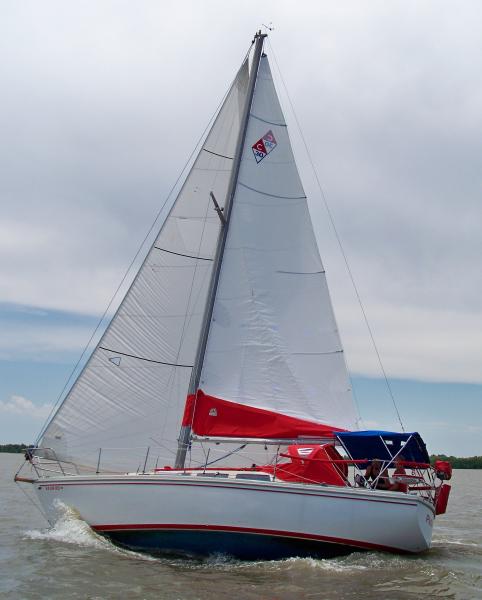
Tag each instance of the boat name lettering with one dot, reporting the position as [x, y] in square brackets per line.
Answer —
[53, 487]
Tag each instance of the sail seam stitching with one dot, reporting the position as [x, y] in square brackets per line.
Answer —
[159, 362]
[185, 255]
[269, 122]
[271, 195]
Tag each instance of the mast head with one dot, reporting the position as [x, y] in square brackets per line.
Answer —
[259, 34]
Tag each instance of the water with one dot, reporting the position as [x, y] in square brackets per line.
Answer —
[69, 561]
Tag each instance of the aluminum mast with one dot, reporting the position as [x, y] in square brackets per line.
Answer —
[185, 433]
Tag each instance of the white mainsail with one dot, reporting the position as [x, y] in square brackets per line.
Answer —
[273, 341]
[132, 392]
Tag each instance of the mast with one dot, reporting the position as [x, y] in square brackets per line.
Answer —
[185, 433]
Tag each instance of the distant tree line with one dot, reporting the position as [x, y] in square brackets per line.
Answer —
[471, 462]
[13, 448]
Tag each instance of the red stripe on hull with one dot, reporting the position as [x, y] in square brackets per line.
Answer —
[228, 528]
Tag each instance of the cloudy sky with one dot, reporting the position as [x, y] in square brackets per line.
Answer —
[102, 103]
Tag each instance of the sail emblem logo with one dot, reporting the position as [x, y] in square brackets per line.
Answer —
[264, 146]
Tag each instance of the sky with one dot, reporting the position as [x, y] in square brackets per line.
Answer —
[101, 106]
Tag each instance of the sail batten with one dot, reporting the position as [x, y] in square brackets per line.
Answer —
[143, 358]
[271, 195]
[184, 255]
[268, 122]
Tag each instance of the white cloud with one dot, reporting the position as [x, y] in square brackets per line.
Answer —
[99, 115]
[40, 341]
[414, 342]
[474, 429]
[18, 405]
[45, 267]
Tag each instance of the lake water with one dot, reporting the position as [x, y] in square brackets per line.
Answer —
[69, 561]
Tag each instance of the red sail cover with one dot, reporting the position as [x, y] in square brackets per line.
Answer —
[212, 416]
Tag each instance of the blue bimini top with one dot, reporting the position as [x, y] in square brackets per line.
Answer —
[384, 445]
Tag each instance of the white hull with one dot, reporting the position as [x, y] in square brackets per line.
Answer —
[250, 519]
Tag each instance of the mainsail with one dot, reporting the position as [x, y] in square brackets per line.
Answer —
[273, 341]
[132, 392]
[271, 352]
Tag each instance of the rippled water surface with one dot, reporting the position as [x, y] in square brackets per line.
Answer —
[70, 561]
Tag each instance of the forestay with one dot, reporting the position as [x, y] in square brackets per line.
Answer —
[132, 392]
[273, 341]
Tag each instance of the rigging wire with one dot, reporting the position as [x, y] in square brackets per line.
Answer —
[31, 500]
[338, 239]
[226, 455]
[133, 261]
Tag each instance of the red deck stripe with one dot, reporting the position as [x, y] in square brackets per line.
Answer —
[231, 487]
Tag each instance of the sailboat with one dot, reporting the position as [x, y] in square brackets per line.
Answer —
[216, 413]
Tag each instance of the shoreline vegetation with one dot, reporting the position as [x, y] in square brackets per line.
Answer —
[468, 462]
